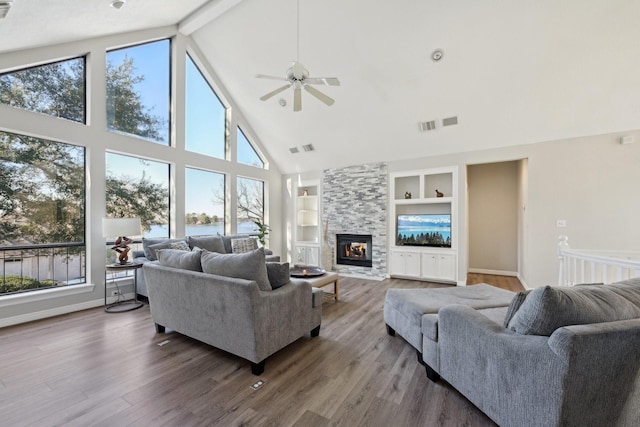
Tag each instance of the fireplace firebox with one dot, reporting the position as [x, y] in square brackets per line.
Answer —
[354, 249]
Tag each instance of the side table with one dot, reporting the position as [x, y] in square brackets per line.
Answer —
[120, 306]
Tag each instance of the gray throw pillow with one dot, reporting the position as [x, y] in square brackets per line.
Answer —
[549, 308]
[278, 274]
[177, 258]
[209, 243]
[516, 302]
[249, 266]
[150, 253]
[244, 245]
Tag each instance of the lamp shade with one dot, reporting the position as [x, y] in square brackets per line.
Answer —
[115, 227]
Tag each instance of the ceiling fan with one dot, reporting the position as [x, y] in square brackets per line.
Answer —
[297, 76]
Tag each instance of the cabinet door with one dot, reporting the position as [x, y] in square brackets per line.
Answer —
[397, 263]
[447, 267]
[412, 264]
[313, 256]
[300, 255]
[430, 266]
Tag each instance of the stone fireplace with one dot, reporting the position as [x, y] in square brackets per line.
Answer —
[354, 249]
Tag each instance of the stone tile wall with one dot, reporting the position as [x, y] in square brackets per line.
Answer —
[354, 200]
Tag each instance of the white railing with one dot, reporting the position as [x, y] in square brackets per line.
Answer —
[595, 266]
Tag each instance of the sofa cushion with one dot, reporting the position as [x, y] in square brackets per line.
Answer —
[547, 309]
[244, 245]
[250, 266]
[516, 302]
[209, 243]
[176, 258]
[150, 253]
[278, 274]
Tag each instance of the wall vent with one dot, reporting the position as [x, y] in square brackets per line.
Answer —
[426, 126]
[450, 121]
[307, 147]
[294, 150]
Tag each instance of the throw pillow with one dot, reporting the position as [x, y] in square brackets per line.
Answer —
[278, 274]
[209, 243]
[516, 302]
[180, 246]
[177, 258]
[150, 253]
[241, 246]
[249, 266]
[549, 308]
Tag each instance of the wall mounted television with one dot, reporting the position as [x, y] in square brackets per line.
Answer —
[433, 230]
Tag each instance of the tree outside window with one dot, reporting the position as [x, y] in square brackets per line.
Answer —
[250, 204]
[204, 202]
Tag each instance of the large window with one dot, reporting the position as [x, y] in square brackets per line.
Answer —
[204, 202]
[250, 204]
[246, 153]
[138, 91]
[42, 213]
[205, 115]
[56, 89]
[139, 188]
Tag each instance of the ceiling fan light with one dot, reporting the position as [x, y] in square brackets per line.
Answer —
[4, 8]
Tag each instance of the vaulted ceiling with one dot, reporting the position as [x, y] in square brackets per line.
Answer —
[513, 72]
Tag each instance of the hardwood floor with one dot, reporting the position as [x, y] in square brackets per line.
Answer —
[505, 282]
[93, 368]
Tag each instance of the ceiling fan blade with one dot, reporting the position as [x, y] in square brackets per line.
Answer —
[275, 92]
[264, 76]
[297, 99]
[321, 96]
[329, 81]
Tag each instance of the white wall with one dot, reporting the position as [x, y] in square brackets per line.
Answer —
[493, 217]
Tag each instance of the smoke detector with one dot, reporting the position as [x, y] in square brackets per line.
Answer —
[437, 55]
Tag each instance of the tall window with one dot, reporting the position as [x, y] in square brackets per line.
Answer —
[138, 90]
[139, 188]
[205, 115]
[56, 89]
[246, 153]
[42, 213]
[204, 202]
[250, 204]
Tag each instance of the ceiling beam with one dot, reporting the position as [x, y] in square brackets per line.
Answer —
[205, 14]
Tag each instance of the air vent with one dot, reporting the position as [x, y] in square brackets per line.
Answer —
[294, 150]
[450, 121]
[426, 126]
[307, 147]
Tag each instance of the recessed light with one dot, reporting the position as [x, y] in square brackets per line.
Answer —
[117, 4]
[437, 55]
[282, 102]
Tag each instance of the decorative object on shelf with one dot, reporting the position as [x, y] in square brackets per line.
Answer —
[439, 194]
[121, 228]
[263, 230]
[306, 271]
[305, 192]
[407, 194]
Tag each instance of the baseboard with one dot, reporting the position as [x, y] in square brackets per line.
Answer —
[493, 272]
[523, 282]
[57, 311]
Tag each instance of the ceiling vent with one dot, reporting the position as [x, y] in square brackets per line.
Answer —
[4, 8]
[426, 126]
[307, 147]
[450, 121]
[294, 150]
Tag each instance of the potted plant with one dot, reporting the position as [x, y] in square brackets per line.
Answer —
[263, 230]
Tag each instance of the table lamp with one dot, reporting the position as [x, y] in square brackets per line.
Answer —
[121, 228]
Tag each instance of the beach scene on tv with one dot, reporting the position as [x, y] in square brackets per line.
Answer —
[424, 230]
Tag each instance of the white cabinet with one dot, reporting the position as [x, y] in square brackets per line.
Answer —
[438, 266]
[405, 263]
[307, 255]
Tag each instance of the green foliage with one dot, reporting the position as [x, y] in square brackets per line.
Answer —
[263, 230]
[127, 197]
[13, 283]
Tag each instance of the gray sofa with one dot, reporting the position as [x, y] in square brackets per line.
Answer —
[552, 357]
[213, 243]
[246, 309]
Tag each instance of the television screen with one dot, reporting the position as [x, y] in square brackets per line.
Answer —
[424, 230]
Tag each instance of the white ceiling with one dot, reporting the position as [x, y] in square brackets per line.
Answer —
[514, 72]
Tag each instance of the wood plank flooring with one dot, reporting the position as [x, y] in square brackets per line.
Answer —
[93, 368]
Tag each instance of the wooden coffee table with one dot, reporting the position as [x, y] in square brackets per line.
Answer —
[319, 280]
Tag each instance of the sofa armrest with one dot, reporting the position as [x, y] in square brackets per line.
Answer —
[508, 376]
